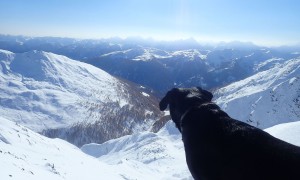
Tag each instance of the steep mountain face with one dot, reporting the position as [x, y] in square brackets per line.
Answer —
[54, 94]
[267, 98]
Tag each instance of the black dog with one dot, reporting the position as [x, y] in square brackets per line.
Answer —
[218, 147]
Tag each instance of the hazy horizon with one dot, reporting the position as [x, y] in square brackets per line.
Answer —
[155, 40]
[264, 23]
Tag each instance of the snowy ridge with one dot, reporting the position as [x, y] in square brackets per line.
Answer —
[265, 99]
[47, 91]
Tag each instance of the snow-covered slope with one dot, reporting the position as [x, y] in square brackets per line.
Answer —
[289, 132]
[265, 99]
[47, 91]
[25, 154]
[153, 155]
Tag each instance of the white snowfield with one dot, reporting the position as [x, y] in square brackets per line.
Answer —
[265, 99]
[25, 154]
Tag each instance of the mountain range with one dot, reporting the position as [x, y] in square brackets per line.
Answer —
[160, 65]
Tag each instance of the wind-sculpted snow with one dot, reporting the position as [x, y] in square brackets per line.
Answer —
[265, 99]
[47, 91]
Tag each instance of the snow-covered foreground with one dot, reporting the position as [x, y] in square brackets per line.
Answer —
[25, 154]
[161, 155]
[150, 155]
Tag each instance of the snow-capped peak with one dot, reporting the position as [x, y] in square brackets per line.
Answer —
[192, 54]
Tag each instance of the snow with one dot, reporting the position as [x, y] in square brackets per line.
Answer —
[265, 65]
[43, 90]
[151, 53]
[191, 54]
[289, 132]
[145, 94]
[293, 80]
[148, 54]
[153, 155]
[25, 154]
[265, 99]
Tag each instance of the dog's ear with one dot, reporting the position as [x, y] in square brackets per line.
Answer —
[164, 102]
[207, 94]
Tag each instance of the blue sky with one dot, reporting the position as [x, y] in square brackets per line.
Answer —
[268, 22]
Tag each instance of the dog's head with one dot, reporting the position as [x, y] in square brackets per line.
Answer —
[180, 100]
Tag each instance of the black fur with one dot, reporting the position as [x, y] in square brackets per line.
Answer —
[218, 147]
